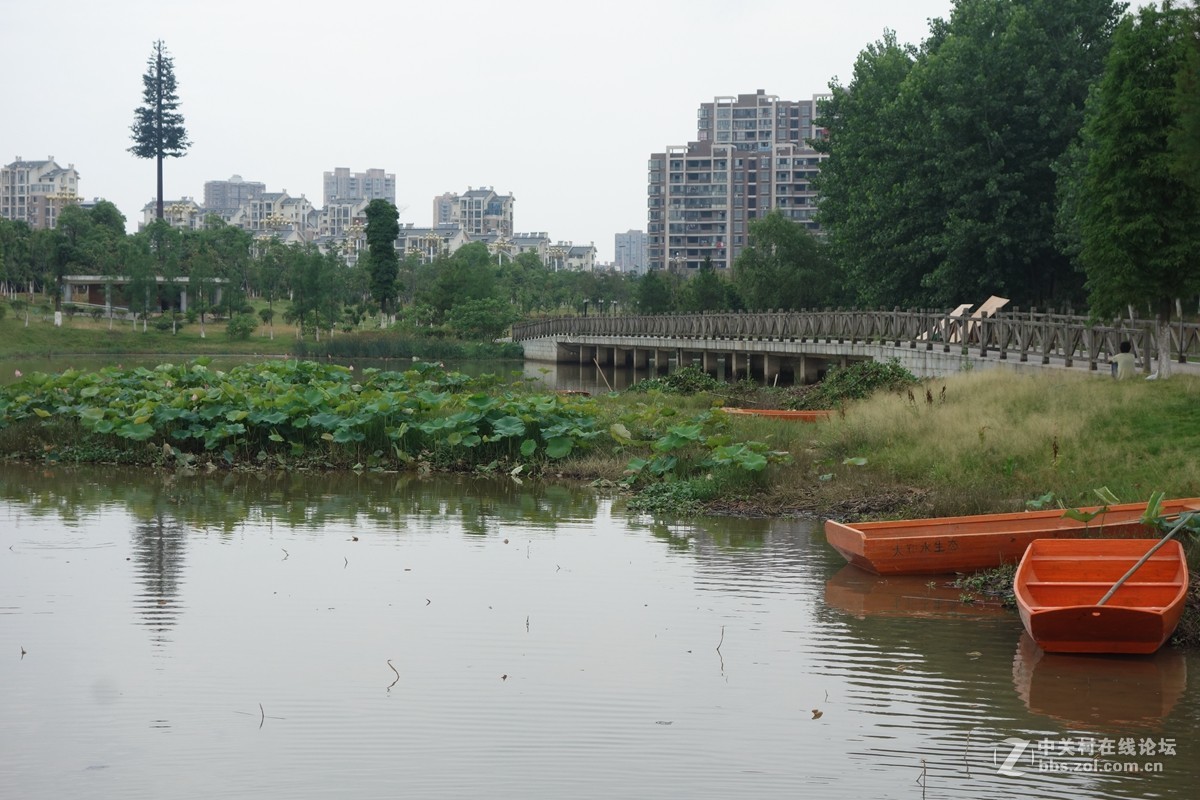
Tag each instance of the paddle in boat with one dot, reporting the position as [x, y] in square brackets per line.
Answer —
[966, 544]
[783, 413]
[1093, 595]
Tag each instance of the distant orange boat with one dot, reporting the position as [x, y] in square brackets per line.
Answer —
[783, 413]
[1060, 582]
[967, 544]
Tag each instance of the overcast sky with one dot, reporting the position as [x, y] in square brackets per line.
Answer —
[556, 102]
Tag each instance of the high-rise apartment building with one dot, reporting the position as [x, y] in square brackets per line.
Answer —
[35, 191]
[630, 249]
[342, 185]
[750, 156]
[477, 211]
[226, 197]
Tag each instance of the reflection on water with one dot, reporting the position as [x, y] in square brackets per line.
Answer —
[370, 635]
[861, 593]
[159, 545]
[1099, 692]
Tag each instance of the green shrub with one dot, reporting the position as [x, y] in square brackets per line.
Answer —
[685, 380]
[854, 382]
[240, 327]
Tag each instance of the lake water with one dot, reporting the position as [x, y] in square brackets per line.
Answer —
[311, 636]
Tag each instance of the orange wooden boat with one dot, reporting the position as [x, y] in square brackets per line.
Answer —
[1060, 582]
[783, 413]
[967, 544]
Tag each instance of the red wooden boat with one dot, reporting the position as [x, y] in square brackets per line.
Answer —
[967, 544]
[1060, 582]
[783, 413]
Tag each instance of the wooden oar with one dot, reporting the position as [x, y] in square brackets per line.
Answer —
[1183, 518]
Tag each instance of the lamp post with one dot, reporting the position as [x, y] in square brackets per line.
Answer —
[500, 247]
[178, 212]
[433, 244]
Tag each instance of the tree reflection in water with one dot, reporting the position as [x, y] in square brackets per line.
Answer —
[159, 544]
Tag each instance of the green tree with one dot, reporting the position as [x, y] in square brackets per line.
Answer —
[465, 276]
[142, 289]
[203, 271]
[383, 227]
[871, 181]
[1140, 240]
[705, 291]
[271, 276]
[653, 293]
[71, 255]
[157, 129]
[942, 160]
[481, 319]
[784, 266]
[165, 245]
[15, 240]
[1184, 138]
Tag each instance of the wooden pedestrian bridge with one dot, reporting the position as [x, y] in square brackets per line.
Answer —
[800, 346]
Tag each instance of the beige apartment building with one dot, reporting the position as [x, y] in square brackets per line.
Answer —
[35, 192]
[750, 156]
[477, 211]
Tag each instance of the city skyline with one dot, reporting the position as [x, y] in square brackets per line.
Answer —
[555, 104]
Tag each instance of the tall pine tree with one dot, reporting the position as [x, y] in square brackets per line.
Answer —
[383, 227]
[157, 128]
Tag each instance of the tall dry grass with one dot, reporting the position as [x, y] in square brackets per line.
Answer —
[990, 440]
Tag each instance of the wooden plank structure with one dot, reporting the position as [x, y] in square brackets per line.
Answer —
[1021, 335]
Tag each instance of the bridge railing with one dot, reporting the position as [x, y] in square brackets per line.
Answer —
[1022, 335]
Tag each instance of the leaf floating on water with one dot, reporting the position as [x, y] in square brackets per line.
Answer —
[900, 668]
[817, 713]
[504, 677]
[663, 722]
[974, 654]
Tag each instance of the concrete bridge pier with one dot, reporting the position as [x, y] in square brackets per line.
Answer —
[662, 361]
[739, 365]
[587, 352]
[640, 357]
[771, 367]
[710, 363]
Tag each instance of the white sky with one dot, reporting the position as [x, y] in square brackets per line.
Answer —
[557, 102]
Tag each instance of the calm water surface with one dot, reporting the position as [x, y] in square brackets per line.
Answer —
[383, 636]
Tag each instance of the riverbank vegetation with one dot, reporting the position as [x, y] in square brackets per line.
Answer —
[978, 442]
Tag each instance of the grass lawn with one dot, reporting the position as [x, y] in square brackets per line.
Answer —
[81, 334]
